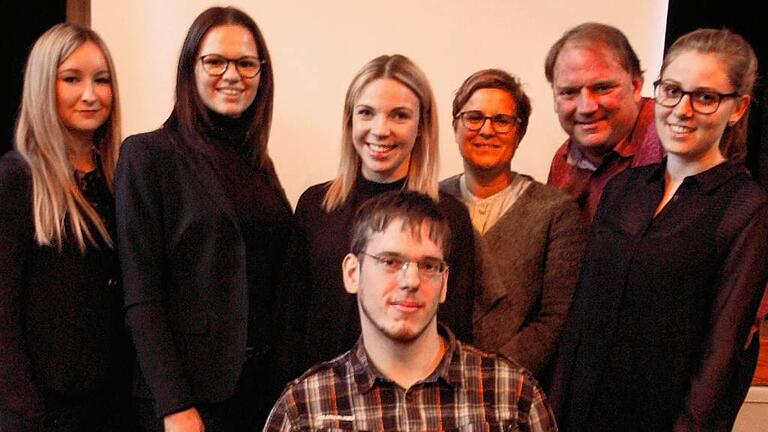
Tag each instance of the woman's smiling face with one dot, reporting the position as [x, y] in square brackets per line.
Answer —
[687, 134]
[487, 150]
[385, 125]
[229, 94]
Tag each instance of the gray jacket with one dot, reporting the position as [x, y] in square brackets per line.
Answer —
[527, 268]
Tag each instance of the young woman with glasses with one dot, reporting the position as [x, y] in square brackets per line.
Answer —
[389, 142]
[64, 362]
[201, 222]
[530, 238]
[677, 262]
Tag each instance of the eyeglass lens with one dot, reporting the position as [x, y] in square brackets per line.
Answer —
[394, 263]
[474, 120]
[216, 65]
[669, 94]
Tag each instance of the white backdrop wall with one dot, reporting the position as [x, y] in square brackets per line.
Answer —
[318, 46]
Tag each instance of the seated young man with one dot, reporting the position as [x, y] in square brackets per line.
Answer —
[406, 372]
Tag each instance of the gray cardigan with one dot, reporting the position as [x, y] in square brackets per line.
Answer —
[527, 268]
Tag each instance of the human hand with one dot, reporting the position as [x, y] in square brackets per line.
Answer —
[188, 420]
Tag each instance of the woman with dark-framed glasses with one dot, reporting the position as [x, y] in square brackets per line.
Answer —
[202, 223]
[676, 265]
[529, 236]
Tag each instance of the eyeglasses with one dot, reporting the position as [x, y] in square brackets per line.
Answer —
[668, 94]
[393, 263]
[474, 121]
[216, 65]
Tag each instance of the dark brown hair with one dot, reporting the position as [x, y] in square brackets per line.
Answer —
[495, 79]
[412, 208]
[190, 115]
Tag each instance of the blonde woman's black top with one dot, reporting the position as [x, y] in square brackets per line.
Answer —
[61, 341]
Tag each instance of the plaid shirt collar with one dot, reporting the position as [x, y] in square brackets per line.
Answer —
[448, 371]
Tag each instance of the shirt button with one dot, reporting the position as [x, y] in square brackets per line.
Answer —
[675, 197]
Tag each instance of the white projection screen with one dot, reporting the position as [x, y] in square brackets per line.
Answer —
[318, 46]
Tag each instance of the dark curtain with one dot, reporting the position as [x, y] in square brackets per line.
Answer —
[742, 17]
[23, 22]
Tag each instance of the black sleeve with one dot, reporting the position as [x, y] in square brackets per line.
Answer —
[140, 238]
[21, 405]
[742, 279]
[292, 304]
[456, 312]
[291, 313]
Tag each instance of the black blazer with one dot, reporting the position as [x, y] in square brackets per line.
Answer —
[183, 261]
[60, 311]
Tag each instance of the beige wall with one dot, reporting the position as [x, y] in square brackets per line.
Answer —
[317, 46]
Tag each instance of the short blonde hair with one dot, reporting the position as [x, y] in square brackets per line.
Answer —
[41, 139]
[422, 174]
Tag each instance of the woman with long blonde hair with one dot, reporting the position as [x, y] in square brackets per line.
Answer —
[389, 142]
[61, 344]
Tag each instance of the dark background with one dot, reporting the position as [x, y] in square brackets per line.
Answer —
[35, 17]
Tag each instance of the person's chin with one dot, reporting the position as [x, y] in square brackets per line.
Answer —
[598, 138]
[403, 335]
[230, 111]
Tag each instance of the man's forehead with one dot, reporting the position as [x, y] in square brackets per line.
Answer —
[403, 234]
[588, 61]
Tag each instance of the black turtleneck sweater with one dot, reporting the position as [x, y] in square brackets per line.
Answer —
[265, 218]
[332, 324]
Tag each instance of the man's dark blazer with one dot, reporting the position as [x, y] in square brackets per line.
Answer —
[183, 263]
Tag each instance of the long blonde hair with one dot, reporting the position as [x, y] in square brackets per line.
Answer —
[422, 172]
[41, 137]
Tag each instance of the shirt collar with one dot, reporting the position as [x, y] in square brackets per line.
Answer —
[629, 145]
[576, 157]
[472, 199]
[708, 180]
[448, 370]
[626, 147]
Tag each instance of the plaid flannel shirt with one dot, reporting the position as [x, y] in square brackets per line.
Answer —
[470, 390]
